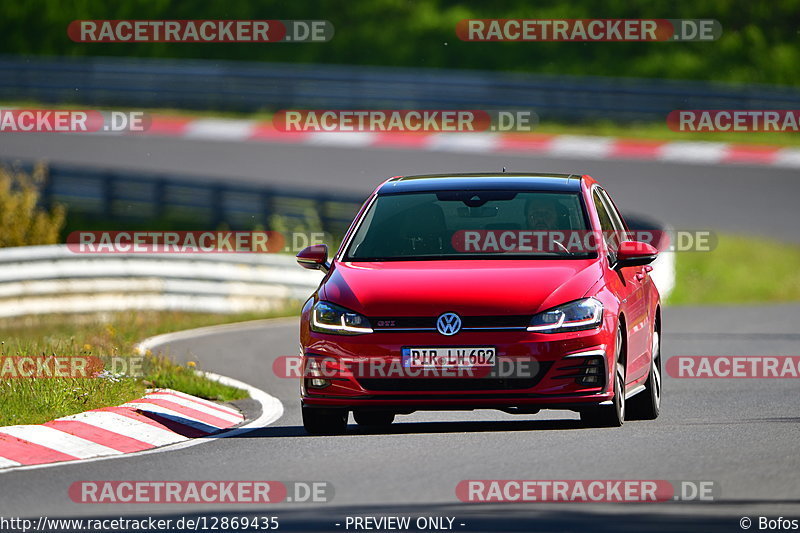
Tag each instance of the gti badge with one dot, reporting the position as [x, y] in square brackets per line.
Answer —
[448, 323]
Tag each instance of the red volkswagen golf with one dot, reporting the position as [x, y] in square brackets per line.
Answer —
[516, 292]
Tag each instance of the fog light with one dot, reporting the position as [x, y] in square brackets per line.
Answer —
[592, 375]
[313, 369]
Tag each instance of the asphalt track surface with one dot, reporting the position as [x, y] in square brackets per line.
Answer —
[742, 434]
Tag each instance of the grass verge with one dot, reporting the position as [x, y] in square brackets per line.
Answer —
[739, 270]
[111, 338]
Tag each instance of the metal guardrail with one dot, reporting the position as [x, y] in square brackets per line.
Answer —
[251, 86]
[53, 279]
[127, 196]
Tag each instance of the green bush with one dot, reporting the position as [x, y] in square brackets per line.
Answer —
[23, 222]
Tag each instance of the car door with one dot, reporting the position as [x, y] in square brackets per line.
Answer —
[637, 307]
[616, 281]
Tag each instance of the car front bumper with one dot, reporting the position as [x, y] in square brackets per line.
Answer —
[355, 371]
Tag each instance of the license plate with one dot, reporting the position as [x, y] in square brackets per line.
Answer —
[449, 357]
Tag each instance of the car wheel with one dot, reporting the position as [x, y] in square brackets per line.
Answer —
[647, 404]
[610, 415]
[373, 418]
[321, 421]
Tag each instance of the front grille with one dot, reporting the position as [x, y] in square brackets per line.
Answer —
[468, 322]
[453, 384]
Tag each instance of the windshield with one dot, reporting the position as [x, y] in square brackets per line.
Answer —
[472, 224]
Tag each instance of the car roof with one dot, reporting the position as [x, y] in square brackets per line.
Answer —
[482, 182]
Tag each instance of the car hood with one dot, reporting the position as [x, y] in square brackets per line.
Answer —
[467, 287]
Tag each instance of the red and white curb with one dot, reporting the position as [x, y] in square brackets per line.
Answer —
[163, 420]
[534, 144]
[161, 417]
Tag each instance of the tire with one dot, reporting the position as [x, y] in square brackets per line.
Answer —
[373, 418]
[321, 421]
[647, 404]
[610, 415]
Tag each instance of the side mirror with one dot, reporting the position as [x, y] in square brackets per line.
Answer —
[314, 258]
[635, 253]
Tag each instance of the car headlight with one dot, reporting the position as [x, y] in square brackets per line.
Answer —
[572, 316]
[329, 318]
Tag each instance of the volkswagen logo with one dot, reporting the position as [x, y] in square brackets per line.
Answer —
[448, 323]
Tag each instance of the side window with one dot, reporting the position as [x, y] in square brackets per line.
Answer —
[616, 219]
[606, 225]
